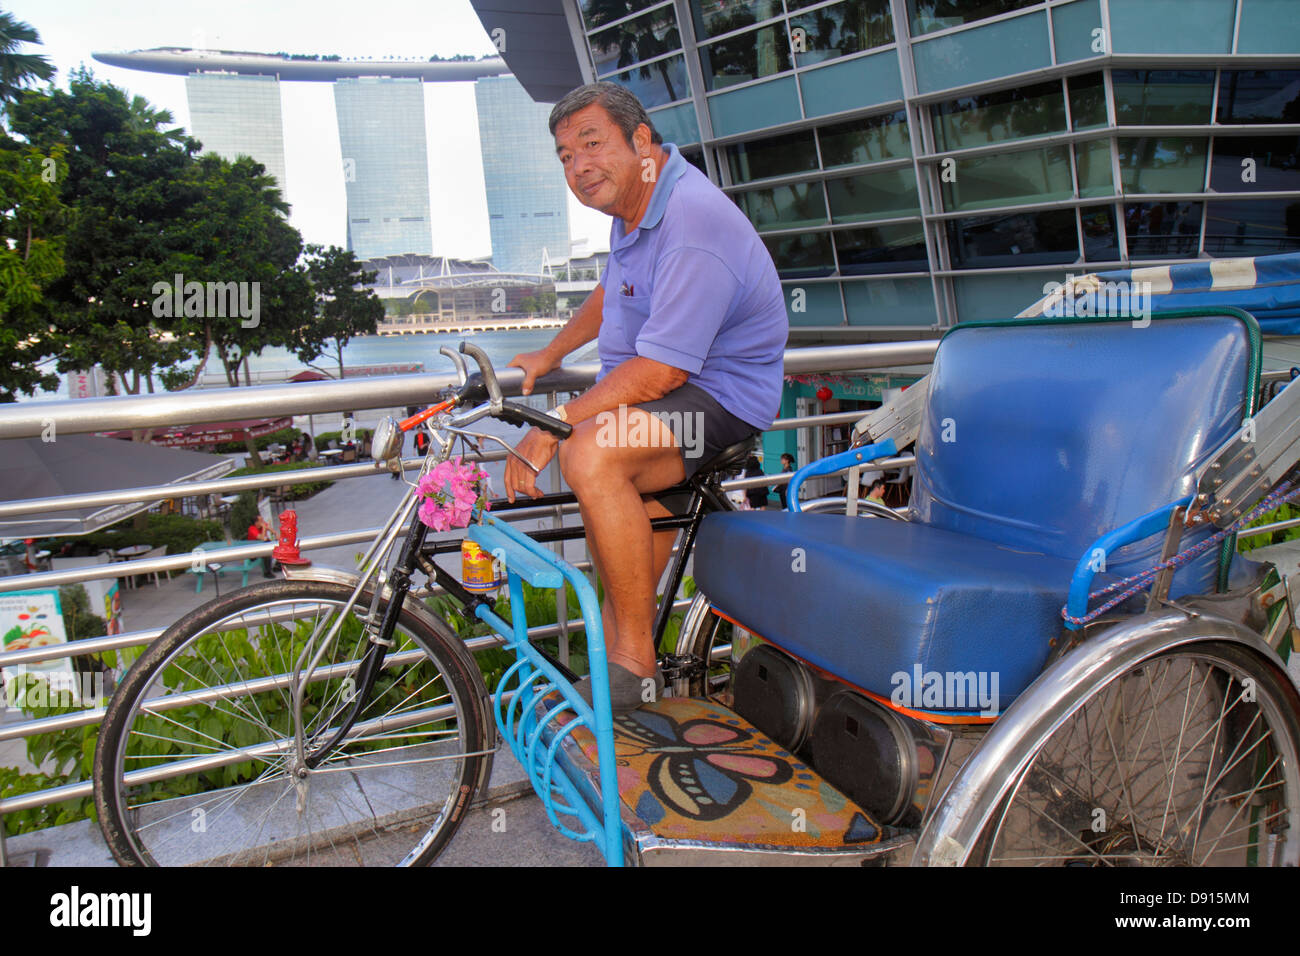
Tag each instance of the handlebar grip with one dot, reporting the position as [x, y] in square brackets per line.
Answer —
[518, 414]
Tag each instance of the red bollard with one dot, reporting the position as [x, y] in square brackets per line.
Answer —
[286, 552]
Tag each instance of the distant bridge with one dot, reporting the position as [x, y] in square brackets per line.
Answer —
[418, 324]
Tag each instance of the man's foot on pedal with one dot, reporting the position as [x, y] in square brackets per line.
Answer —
[627, 691]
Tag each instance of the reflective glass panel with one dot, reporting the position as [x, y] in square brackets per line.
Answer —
[746, 57]
[839, 30]
[1259, 96]
[657, 83]
[781, 207]
[1162, 164]
[996, 117]
[930, 15]
[1087, 100]
[596, 13]
[1004, 179]
[1092, 160]
[1275, 166]
[1014, 239]
[883, 195]
[865, 140]
[899, 247]
[715, 17]
[1100, 237]
[775, 156]
[1163, 230]
[635, 40]
[1162, 97]
[1256, 227]
[808, 254]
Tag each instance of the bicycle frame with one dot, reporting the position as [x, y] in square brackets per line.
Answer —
[416, 554]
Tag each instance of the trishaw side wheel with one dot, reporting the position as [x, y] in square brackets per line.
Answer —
[705, 636]
[197, 760]
[1188, 758]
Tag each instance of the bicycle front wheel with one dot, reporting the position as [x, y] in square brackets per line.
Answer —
[201, 755]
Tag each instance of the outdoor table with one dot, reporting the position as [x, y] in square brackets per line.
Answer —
[331, 453]
[129, 552]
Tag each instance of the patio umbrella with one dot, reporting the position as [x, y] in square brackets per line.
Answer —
[212, 433]
[82, 464]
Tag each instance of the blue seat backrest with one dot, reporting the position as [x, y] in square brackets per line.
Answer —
[1043, 437]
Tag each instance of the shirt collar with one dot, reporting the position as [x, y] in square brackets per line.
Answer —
[668, 177]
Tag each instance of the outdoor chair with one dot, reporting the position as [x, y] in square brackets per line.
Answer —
[214, 549]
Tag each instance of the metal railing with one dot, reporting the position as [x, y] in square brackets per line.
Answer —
[32, 419]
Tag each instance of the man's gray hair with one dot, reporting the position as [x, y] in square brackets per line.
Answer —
[623, 108]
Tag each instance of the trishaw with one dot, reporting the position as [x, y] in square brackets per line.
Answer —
[1053, 655]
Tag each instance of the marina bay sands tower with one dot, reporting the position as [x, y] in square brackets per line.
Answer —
[235, 110]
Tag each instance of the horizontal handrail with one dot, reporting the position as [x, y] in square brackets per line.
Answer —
[91, 716]
[192, 407]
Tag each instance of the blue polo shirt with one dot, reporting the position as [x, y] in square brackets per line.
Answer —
[694, 287]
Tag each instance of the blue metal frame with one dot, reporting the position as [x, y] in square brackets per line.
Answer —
[828, 466]
[1153, 522]
[526, 560]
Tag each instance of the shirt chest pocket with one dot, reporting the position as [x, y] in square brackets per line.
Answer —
[633, 311]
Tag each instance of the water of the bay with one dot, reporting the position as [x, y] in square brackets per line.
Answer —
[500, 346]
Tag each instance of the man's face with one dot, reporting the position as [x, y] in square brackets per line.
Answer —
[602, 169]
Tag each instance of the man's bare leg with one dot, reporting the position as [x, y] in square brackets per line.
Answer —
[609, 480]
[663, 550]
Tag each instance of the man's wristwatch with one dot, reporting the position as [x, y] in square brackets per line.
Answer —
[560, 412]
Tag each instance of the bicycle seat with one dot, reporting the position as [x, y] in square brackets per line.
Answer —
[732, 458]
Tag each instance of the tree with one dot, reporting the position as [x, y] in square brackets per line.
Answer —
[125, 221]
[31, 257]
[239, 242]
[342, 309]
[19, 70]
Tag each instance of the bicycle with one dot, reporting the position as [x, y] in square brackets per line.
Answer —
[332, 717]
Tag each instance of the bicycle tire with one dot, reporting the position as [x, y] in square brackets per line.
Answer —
[1132, 798]
[241, 795]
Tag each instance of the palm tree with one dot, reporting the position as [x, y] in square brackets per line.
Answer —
[18, 70]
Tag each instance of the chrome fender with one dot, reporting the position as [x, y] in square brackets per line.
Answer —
[980, 786]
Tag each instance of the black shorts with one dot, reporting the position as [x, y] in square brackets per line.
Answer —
[701, 427]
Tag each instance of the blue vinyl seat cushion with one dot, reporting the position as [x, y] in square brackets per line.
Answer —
[876, 597]
[1036, 439]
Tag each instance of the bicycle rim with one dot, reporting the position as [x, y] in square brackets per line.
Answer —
[1188, 759]
[199, 745]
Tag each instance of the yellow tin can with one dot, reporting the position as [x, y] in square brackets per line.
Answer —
[478, 571]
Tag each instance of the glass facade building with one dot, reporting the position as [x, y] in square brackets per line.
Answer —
[233, 115]
[385, 165]
[527, 196]
[915, 163]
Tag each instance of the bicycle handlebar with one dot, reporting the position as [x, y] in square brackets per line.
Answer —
[484, 388]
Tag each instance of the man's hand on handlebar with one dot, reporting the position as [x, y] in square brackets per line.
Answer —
[535, 365]
[539, 448]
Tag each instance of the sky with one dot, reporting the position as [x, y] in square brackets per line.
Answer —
[71, 30]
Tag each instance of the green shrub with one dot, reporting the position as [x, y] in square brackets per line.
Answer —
[79, 621]
[1249, 542]
[324, 438]
[178, 533]
[285, 436]
[296, 492]
[243, 513]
